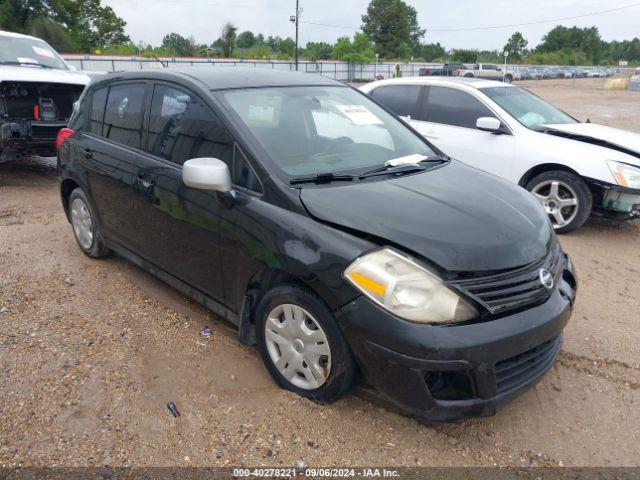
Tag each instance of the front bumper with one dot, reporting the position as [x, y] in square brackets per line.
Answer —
[444, 373]
[30, 135]
[621, 204]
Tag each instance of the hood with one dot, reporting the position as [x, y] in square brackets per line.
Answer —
[44, 75]
[457, 217]
[614, 138]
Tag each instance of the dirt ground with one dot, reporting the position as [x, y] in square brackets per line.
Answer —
[91, 352]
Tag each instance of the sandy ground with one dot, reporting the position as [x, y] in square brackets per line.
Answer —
[91, 351]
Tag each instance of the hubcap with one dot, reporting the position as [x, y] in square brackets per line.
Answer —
[81, 222]
[298, 346]
[559, 201]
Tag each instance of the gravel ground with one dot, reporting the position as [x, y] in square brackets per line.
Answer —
[91, 351]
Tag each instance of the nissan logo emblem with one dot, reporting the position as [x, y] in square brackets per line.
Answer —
[546, 279]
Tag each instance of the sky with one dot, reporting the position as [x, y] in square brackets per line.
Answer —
[150, 20]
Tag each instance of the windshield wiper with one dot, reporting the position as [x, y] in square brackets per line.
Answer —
[322, 178]
[402, 168]
[25, 64]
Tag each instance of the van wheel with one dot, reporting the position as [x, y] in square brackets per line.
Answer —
[302, 346]
[565, 197]
[84, 226]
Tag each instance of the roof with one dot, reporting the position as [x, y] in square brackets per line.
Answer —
[221, 78]
[435, 80]
[4, 33]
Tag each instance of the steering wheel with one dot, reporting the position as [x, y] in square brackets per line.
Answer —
[336, 145]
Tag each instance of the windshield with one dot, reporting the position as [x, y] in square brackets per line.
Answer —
[29, 52]
[530, 110]
[323, 130]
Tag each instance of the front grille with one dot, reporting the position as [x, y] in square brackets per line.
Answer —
[524, 367]
[514, 289]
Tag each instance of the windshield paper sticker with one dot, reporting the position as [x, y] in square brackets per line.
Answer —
[261, 114]
[359, 114]
[43, 52]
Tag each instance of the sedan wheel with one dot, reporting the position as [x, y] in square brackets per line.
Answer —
[297, 346]
[559, 200]
[565, 197]
[82, 223]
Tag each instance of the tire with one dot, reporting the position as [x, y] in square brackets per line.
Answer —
[331, 375]
[509, 78]
[570, 188]
[85, 229]
[468, 75]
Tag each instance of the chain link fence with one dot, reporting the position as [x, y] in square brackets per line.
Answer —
[343, 71]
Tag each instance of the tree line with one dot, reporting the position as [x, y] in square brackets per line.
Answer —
[390, 31]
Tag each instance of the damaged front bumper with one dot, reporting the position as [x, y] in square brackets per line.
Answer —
[448, 372]
[620, 203]
[21, 136]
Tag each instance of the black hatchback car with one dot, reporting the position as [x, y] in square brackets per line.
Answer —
[329, 232]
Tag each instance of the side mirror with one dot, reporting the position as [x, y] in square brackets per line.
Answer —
[207, 174]
[489, 124]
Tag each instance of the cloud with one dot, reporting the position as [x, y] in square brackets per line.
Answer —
[150, 20]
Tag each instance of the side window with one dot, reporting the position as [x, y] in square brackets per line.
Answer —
[181, 127]
[123, 115]
[454, 107]
[243, 174]
[400, 99]
[97, 110]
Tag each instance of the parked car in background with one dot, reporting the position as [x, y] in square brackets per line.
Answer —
[537, 74]
[485, 70]
[37, 93]
[330, 233]
[447, 70]
[572, 168]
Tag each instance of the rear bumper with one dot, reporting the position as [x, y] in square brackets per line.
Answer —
[446, 373]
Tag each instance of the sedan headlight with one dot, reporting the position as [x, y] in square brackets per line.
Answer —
[407, 290]
[626, 175]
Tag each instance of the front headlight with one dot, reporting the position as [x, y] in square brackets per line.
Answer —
[407, 290]
[626, 175]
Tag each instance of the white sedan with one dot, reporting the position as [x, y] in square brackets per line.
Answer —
[573, 168]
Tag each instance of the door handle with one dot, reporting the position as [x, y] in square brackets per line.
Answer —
[88, 153]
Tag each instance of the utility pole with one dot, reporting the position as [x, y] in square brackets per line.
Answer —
[297, 23]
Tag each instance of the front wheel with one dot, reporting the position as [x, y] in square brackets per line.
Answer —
[302, 346]
[565, 197]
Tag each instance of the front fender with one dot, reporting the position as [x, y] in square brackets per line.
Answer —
[258, 237]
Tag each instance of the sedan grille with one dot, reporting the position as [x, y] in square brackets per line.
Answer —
[526, 366]
[516, 288]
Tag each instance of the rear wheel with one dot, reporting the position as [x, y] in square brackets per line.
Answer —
[85, 229]
[565, 197]
[302, 346]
